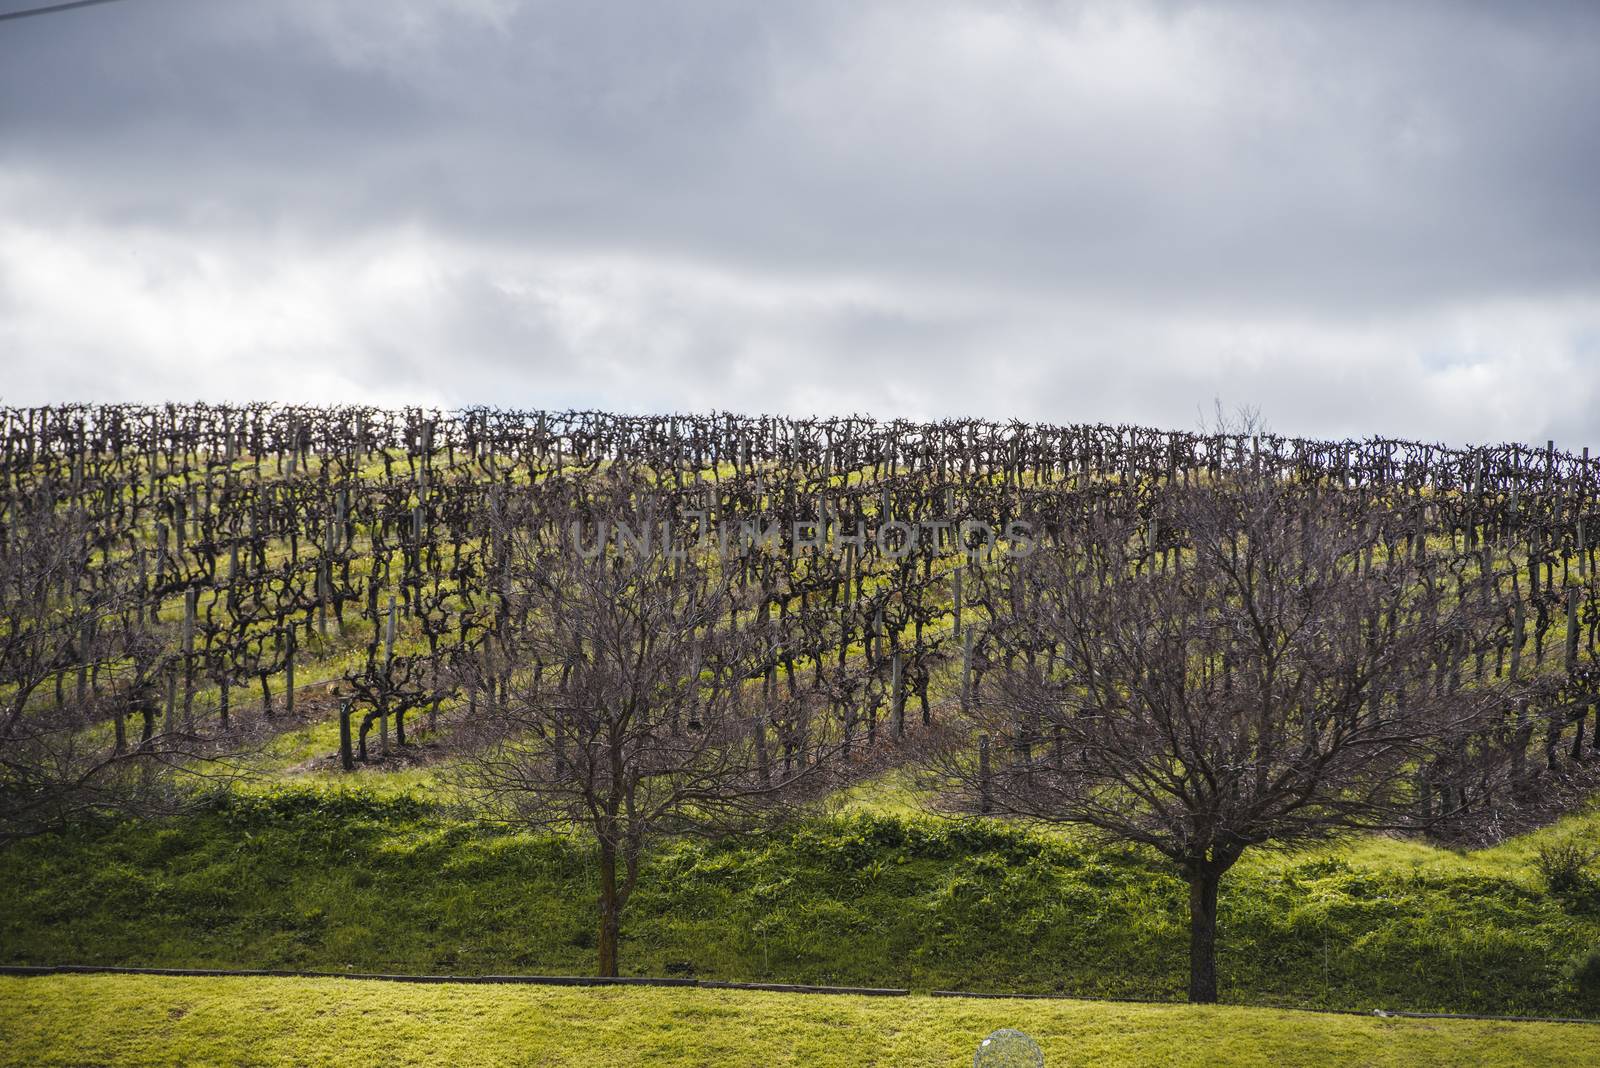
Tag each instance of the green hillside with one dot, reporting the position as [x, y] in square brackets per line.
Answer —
[333, 879]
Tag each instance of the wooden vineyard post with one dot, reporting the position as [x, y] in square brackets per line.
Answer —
[1552, 738]
[188, 660]
[223, 686]
[897, 695]
[161, 562]
[83, 665]
[505, 683]
[1518, 630]
[1581, 719]
[347, 758]
[1572, 629]
[966, 672]
[849, 728]
[955, 597]
[144, 584]
[324, 587]
[172, 696]
[388, 678]
[288, 673]
[759, 732]
[433, 707]
[986, 799]
[1583, 544]
[1519, 751]
[489, 674]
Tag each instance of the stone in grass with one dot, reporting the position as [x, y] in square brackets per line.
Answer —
[1008, 1048]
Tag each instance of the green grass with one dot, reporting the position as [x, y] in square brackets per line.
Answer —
[333, 878]
[147, 1020]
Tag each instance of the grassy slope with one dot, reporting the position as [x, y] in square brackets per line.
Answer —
[143, 1020]
[335, 880]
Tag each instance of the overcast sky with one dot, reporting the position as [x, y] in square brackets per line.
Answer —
[1362, 218]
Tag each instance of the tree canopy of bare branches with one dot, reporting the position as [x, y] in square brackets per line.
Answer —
[67, 757]
[1244, 664]
[636, 696]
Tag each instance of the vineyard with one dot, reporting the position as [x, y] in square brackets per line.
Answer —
[790, 609]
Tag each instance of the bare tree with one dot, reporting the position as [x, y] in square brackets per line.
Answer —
[634, 698]
[67, 755]
[1241, 664]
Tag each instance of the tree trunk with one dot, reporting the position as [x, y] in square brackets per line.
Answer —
[1203, 882]
[610, 910]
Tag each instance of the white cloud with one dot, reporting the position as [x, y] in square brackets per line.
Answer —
[1362, 218]
[411, 316]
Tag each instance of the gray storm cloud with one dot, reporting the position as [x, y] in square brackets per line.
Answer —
[1359, 217]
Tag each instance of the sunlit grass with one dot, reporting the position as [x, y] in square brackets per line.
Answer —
[145, 1020]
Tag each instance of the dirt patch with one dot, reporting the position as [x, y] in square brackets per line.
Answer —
[419, 753]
